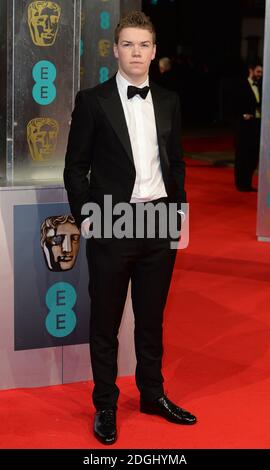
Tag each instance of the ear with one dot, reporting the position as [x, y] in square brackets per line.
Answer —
[154, 52]
[115, 51]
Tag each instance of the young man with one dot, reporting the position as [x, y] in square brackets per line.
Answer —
[248, 126]
[128, 137]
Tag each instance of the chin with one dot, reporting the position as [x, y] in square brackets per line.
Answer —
[137, 72]
[66, 266]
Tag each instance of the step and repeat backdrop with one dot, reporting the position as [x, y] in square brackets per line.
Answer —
[43, 79]
[263, 213]
[50, 50]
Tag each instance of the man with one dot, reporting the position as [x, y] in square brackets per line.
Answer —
[247, 142]
[128, 137]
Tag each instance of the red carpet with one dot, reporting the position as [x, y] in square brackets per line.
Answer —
[217, 348]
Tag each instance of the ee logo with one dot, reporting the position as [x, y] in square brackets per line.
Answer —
[104, 20]
[44, 74]
[81, 47]
[60, 299]
[103, 74]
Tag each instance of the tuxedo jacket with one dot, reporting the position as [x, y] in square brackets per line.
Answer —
[99, 158]
[245, 100]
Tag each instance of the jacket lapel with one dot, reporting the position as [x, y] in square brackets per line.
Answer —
[110, 101]
[163, 120]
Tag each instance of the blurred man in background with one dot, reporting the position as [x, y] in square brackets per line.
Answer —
[248, 125]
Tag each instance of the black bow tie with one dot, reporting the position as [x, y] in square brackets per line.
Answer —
[255, 83]
[134, 90]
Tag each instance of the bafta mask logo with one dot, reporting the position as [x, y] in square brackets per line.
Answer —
[42, 136]
[43, 21]
[104, 47]
[60, 242]
[82, 71]
[83, 17]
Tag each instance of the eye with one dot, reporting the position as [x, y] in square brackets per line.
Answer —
[39, 136]
[52, 134]
[56, 240]
[40, 20]
[54, 19]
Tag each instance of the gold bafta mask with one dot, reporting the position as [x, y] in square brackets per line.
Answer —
[82, 19]
[42, 136]
[104, 47]
[43, 21]
[60, 242]
[82, 71]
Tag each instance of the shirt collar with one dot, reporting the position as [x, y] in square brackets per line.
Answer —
[122, 83]
[251, 81]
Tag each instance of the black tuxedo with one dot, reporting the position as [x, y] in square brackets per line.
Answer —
[99, 142]
[247, 138]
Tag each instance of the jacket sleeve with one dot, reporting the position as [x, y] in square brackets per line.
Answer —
[78, 157]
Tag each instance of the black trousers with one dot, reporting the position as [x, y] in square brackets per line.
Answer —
[247, 148]
[148, 263]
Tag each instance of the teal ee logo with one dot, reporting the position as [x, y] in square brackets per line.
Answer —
[81, 47]
[103, 74]
[44, 74]
[104, 20]
[60, 299]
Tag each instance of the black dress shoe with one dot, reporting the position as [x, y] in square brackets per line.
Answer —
[168, 410]
[105, 426]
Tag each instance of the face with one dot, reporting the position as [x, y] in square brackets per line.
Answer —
[257, 73]
[63, 246]
[135, 51]
[43, 19]
[42, 138]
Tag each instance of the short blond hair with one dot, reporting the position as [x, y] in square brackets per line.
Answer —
[135, 19]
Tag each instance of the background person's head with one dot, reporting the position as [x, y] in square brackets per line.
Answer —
[255, 71]
[135, 46]
[164, 64]
[60, 241]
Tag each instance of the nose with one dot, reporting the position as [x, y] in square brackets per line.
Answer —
[66, 247]
[136, 50]
[48, 26]
[46, 142]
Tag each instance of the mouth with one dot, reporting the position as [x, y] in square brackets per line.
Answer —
[64, 259]
[47, 35]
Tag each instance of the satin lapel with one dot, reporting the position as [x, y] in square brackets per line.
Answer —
[112, 107]
[163, 119]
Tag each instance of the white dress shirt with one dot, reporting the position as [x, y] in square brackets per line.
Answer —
[141, 124]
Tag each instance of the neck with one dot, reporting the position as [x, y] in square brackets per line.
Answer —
[137, 81]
